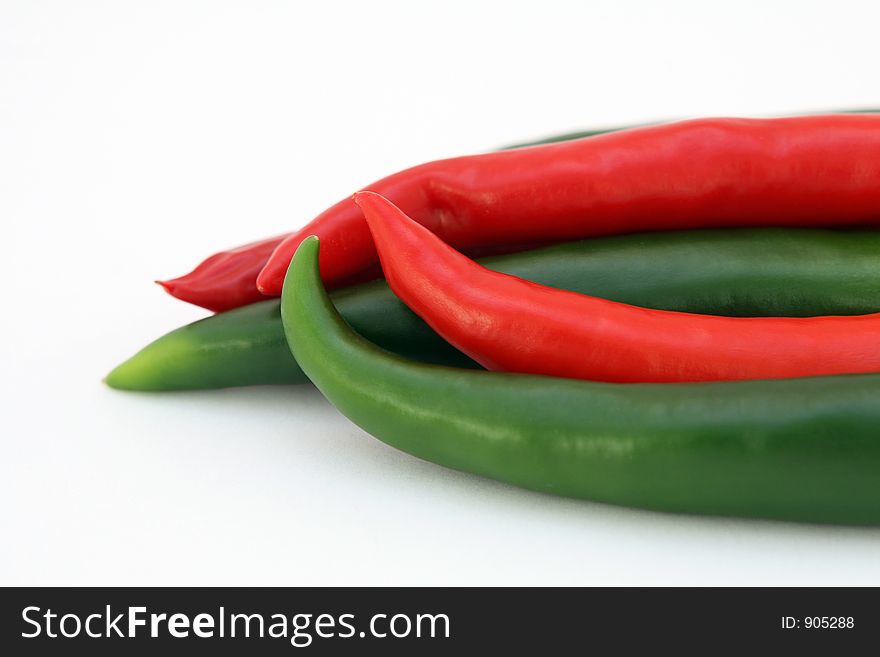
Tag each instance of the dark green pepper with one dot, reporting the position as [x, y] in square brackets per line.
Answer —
[580, 134]
[749, 272]
[798, 449]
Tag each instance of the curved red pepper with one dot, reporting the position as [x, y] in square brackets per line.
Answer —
[237, 269]
[802, 171]
[509, 324]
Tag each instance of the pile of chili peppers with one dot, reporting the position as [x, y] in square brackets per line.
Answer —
[681, 316]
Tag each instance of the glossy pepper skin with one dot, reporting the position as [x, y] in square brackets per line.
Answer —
[740, 272]
[800, 449]
[509, 324]
[802, 171]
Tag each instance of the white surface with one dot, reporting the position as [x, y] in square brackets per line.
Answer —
[136, 138]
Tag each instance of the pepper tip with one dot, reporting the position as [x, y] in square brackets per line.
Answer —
[364, 194]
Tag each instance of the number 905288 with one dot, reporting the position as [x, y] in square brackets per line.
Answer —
[828, 622]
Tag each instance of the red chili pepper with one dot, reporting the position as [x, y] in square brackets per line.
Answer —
[513, 325]
[227, 279]
[802, 171]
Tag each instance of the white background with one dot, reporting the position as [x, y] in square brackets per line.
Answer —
[137, 138]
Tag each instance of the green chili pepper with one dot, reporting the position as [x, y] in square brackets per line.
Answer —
[800, 449]
[568, 136]
[580, 134]
[749, 272]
